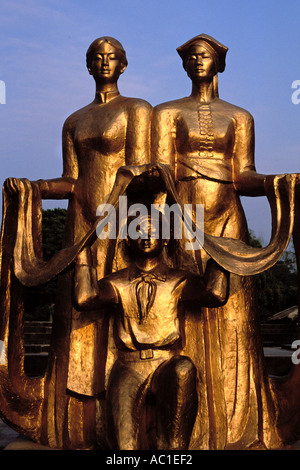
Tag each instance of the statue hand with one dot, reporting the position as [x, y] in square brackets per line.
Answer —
[140, 173]
[135, 170]
[275, 180]
[14, 185]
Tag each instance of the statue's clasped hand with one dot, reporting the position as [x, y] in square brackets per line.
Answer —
[13, 186]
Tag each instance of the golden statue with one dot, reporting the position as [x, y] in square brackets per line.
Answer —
[208, 144]
[146, 300]
[110, 132]
[202, 153]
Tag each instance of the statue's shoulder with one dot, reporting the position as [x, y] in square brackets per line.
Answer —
[171, 106]
[72, 120]
[117, 277]
[137, 103]
[170, 111]
[177, 275]
[237, 113]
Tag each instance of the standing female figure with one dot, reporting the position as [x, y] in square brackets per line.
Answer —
[209, 146]
[110, 132]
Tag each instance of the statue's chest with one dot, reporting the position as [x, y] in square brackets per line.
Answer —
[102, 130]
[204, 131]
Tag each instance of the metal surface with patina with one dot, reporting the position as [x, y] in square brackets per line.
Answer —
[153, 346]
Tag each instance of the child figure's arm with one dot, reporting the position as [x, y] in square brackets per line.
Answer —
[88, 294]
[216, 280]
[210, 290]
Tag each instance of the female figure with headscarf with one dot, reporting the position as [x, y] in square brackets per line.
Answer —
[209, 146]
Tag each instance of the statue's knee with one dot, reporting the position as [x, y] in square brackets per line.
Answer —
[184, 369]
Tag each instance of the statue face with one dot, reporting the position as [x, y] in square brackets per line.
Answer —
[146, 245]
[199, 63]
[106, 63]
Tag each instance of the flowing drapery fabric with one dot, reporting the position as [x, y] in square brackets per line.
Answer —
[43, 399]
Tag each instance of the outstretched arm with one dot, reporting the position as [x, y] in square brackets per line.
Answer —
[56, 188]
[88, 294]
[62, 188]
[210, 290]
[245, 178]
[137, 150]
[163, 131]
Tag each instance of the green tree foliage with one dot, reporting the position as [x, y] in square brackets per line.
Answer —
[276, 287]
[39, 301]
[53, 231]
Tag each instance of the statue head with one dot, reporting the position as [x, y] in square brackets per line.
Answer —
[111, 55]
[212, 54]
[146, 235]
[217, 50]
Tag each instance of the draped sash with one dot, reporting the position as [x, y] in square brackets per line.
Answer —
[234, 255]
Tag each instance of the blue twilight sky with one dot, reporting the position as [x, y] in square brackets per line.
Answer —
[42, 64]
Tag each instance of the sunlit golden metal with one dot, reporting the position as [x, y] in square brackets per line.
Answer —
[143, 330]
